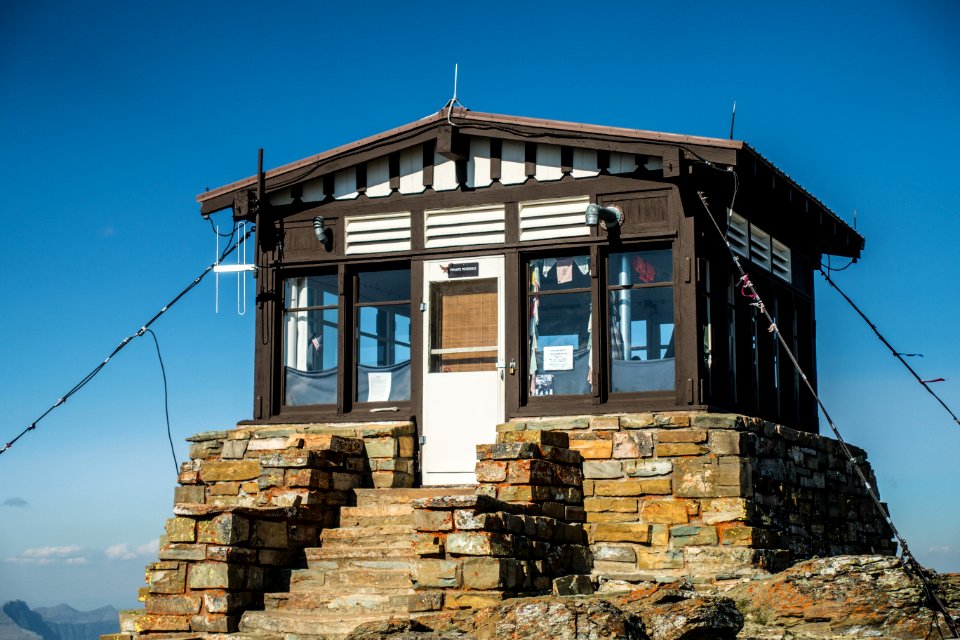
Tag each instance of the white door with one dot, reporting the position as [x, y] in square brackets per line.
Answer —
[463, 387]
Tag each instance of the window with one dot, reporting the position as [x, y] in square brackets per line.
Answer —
[382, 327]
[559, 316]
[310, 340]
[640, 321]
[464, 326]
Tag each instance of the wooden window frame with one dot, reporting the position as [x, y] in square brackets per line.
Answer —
[600, 398]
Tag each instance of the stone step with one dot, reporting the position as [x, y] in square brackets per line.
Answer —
[377, 510]
[377, 515]
[315, 625]
[370, 497]
[310, 601]
[386, 536]
[321, 554]
[376, 521]
[363, 580]
[402, 563]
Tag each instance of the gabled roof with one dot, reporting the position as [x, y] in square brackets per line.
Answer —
[669, 146]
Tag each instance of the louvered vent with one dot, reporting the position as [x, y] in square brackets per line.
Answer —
[376, 234]
[738, 235]
[547, 219]
[464, 226]
[781, 261]
[759, 247]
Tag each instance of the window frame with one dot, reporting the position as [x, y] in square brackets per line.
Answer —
[601, 395]
[348, 334]
[352, 276]
[671, 245]
[527, 399]
[282, 329]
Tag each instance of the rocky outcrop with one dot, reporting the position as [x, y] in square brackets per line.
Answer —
[844, 597]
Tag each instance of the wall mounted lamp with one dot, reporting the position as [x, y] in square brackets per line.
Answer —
[324, 234]
[606, 217]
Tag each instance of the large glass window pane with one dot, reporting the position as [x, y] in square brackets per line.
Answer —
[384, 286]
[641, 321]
[642, 339]
[310, 340]
[640, 267]
[383, 336]
[559, 274]
[559, 312]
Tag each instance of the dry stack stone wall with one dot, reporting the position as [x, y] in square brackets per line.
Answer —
[521, 529]
[248, 503]
[713, 496]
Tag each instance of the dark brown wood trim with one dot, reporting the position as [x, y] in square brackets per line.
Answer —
[428, 158]
[530, 159]
[496, 155]
[394, 169]
[512, 222]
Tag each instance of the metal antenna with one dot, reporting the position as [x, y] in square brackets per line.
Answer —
[733, 117]
[454, 101]
[456, 70]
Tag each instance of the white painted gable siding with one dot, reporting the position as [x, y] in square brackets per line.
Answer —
[444, 174]
[411, 170]
[345, 184]
[548, 163]
[378, 177]
[585, 163]
[513, 162]
[478, 166]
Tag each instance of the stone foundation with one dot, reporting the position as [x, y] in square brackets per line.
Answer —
[632, 497]
[714, 496]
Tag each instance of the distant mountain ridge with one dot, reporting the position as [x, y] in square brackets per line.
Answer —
[62, 622]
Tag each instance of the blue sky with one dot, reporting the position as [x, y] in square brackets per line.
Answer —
[113, 116]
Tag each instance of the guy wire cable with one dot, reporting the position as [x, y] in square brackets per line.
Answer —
[166, 401]
[898, 355]
[909, 561]
[142, 330]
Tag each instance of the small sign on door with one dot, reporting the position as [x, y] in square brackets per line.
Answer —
[461, 269]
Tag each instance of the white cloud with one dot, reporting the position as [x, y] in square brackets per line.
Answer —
[149, 548]
[124, 551]
[119, 552]
[939, 549]
[69, 554]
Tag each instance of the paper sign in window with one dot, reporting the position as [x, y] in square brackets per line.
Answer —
[378, 384]
[558, 358]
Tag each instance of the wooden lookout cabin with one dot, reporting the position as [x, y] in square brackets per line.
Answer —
[500, 357]
[446, 272]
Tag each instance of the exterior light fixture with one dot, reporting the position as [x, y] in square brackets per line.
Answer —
[324, 235]
[606, 217]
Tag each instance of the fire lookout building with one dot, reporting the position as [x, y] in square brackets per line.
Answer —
[446, 272]
[545, 312]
